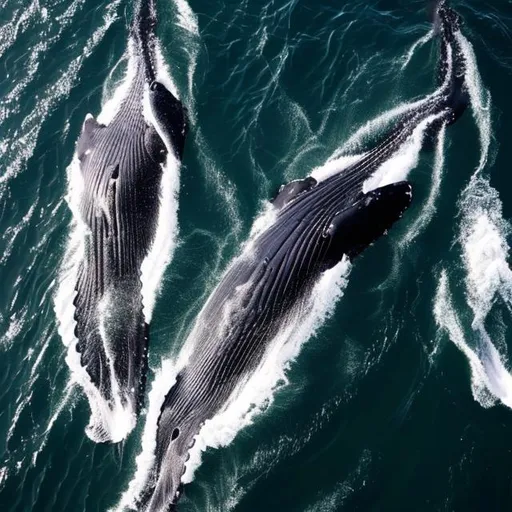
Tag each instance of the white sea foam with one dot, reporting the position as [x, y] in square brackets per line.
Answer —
[417, 44]
[113, 421]
[480, 99]
[429, 209]
[489, 378]
[16, 322]
[488, 278]
[187, 18]
[64, 403]
[20, 22]
[334, 165]
[4, 473]
[397, 167]
[485, 252]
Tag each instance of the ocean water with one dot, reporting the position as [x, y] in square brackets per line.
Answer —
[395, 393]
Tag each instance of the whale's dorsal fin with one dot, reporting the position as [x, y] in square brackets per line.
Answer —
[292, 190]
[89, 127]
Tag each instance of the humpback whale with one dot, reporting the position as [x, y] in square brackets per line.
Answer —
[317, 224]
[121, 166]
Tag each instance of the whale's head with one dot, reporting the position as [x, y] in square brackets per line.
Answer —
[170, 114]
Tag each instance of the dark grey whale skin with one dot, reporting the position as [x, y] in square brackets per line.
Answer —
[121, 166]
[317, 225]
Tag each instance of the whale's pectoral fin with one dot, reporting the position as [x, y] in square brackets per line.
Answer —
[89, 127]
[154, 145]
[292, 190]
[170, 114]
[87, 327]
[357, 227]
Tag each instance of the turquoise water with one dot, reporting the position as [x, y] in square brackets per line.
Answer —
[401, 399]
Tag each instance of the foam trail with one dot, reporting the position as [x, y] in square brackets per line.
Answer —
[429, 210]
[485, 253]
[397, 167]
[447, 319]
[114, 421]
[187, 19]
[488, 276]
[420, 42]
[64, 403]
[480, 99]
[392, 170]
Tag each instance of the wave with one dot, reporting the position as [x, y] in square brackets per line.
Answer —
[417, 44]
[23, 141]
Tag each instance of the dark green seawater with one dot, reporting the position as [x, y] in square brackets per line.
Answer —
[402, 398]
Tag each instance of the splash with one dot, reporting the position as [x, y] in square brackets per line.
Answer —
[187, 19]
[489, 377]
[405, 159]
[480, 100]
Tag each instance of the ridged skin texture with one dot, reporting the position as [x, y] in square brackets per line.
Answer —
[121, 167]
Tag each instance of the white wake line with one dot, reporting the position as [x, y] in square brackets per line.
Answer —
[483, 239]
[420, 42]
[429, 209]
[489, 377]
[480, 100]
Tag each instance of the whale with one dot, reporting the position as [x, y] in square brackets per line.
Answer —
[317, 224]
[121, 165]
